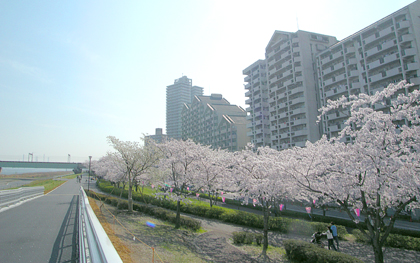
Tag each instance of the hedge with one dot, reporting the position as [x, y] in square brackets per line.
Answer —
[157, 212]
[393, 240]
[301, 251]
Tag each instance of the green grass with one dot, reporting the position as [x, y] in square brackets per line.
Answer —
[71, 176]
[49, 184]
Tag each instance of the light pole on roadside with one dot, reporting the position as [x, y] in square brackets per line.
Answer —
[90, 159]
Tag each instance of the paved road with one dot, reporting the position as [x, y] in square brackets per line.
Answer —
[42, 230]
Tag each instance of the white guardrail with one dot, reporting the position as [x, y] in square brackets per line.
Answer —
[94, 244]
[11, 197]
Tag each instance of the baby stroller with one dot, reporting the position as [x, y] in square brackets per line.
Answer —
[316, 238]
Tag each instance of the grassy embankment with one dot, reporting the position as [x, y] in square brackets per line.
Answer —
[50, 184]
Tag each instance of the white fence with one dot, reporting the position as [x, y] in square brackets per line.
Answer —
[11, 197]
[94, 244]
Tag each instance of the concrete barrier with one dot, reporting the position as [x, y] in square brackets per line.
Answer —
[94, 244]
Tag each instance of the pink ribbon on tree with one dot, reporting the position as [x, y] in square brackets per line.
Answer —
[308, 209]
[221, 192]
[172, 190]
[197, 194]
[281, 207]
[357, 211]
[223, 199]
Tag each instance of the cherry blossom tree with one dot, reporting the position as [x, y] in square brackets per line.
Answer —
[377, 171]
[212, 171]
[259, 179]
[179, 166]
[134, 160]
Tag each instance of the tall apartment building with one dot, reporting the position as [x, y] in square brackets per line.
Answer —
[367, 61]
[257, 99]
[292, 86]
[158, 137]
[177, 94]
[212, 120]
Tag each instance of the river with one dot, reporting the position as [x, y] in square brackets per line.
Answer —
[8, 171]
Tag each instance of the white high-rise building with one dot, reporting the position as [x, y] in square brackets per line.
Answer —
[212, 120]
[257, 112]
[177, 94]
[292, 87]
[367, 61]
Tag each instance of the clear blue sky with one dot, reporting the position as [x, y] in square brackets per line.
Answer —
[74, 72]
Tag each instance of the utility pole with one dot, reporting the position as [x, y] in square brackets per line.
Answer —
[90, 159]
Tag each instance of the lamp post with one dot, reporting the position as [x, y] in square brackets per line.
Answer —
[90, 159]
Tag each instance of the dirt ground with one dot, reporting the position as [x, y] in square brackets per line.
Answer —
[162, 243]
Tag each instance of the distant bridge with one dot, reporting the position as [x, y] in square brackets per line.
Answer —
[48, 165]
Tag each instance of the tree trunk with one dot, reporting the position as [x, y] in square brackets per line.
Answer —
[265, 229]
[178, 214]
[130, 197]
[211, 199]
[377, 249]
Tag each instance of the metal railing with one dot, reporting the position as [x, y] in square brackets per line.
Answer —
[94, 244]
[11, 197]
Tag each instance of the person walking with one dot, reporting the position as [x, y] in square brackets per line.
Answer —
[334, 233]
[330, 238]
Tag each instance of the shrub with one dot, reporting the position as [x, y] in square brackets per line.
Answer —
[247, 238]
[259, 238]
[301, 251]
[239, 237]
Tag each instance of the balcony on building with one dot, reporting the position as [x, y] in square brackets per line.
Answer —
[411, 66]
[403, 24]
[335, 127]
[297, 111]
[247, 86]
[414, 80]
[394, 71]
[406, 38]
[296, 100]
[349, 50]
[408, 52]
[378, 35]
[295, 122]
[272, 71]
[353, 73]
[351, 61]
[299, 133]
